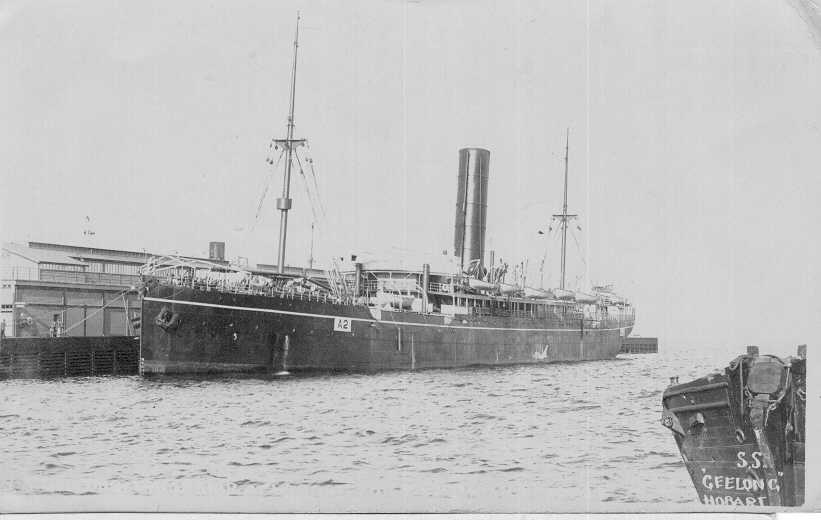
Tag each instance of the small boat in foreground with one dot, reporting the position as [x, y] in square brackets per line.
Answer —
[741, 433]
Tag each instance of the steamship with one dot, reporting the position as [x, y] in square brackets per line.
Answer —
[369, 315]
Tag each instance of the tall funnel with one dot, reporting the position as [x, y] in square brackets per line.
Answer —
[471, 206]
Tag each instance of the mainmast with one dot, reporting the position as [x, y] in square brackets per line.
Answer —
[564, 217]
[284, 203]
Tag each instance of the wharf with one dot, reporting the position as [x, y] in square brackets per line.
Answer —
[69, 356]
[639, 345]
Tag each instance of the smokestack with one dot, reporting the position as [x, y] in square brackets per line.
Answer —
[216, 251]
[471, 206]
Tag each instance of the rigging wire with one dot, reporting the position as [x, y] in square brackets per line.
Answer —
[310, 162]
[267, 187]
[578, 246]
[318, 212]
[581, 253]
[317, 208]
[550, 237]
[308, 191]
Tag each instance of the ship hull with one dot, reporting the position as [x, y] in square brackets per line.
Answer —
[216, 332]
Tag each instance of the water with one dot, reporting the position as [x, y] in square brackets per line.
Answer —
[581, 436]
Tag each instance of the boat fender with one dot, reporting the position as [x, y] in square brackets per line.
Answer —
[167, 320]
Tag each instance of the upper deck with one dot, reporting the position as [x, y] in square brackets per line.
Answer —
[401, 290]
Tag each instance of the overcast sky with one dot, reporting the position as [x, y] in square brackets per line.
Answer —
[695, 138]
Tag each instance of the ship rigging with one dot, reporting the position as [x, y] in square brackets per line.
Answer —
[564, 217]
[371, 315]
[288, 144]
[561, 222]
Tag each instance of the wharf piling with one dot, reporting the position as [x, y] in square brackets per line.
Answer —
[69, 356]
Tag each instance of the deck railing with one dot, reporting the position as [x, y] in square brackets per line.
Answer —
[273, 292]
[556, 316]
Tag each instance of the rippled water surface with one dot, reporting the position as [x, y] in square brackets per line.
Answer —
[522, 438]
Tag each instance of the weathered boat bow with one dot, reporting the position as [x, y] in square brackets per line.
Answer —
[741, 433]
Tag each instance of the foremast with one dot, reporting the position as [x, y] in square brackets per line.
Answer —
[285, 202]
[564, 217]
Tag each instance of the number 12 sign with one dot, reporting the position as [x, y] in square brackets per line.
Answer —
[342, 325]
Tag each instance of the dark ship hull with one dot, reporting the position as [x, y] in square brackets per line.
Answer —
[186, 330]
[741, 433]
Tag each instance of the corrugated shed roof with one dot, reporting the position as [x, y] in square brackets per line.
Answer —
[75, 250]
[97, 254]
[41, 256]
[104, 257]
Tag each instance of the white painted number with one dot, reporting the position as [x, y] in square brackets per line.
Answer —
[342, 324]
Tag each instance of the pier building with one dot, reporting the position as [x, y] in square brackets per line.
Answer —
[49, 289]
[55, 289]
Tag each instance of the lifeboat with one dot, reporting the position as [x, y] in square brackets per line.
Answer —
[564, 294]
[537, 293]
[507, 290]
[585, 298]
[480, 285]
[397, 301]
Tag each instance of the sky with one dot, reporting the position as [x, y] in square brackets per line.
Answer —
[694, 139]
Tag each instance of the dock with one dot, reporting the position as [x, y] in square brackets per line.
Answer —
[69, 356]
[639, 345]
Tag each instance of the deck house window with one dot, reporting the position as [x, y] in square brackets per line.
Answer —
[62, 267]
